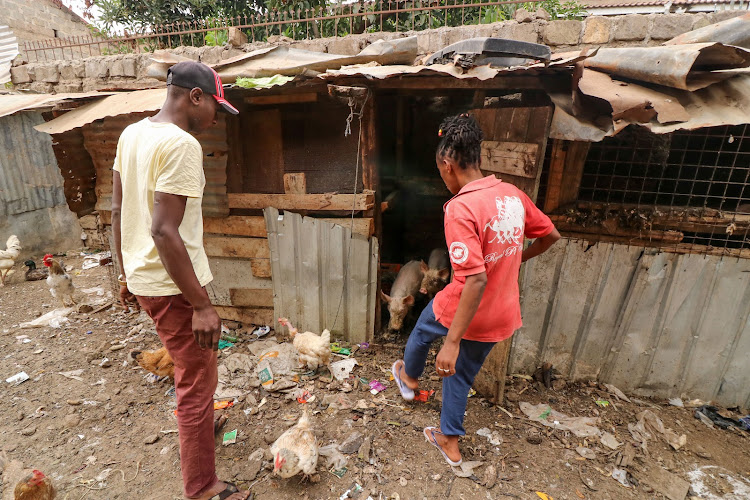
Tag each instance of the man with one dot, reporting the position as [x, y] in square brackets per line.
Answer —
[158, 232]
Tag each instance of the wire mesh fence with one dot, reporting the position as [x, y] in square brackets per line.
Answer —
[296, 23]
[687, 191]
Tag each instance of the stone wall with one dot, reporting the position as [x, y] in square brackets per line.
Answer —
[129, 71]
[32, 20]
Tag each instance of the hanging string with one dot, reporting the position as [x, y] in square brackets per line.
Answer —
[347, 133]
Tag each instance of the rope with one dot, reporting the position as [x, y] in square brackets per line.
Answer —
[347, 133]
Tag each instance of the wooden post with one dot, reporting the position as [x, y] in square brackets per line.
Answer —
[371, 179]
[565, 173]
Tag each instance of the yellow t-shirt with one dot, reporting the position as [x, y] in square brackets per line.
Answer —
[159, 157]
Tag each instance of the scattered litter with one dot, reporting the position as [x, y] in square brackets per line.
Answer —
[73, 374]
[334, 459]
[745, 422]
[579, 426]
[617, 392]
[466, 469]
[229, 338]
[265, 375]
[648, 421]
[54, 319]
[543, 496]
[339, 473]
[364, 345]
[712, 413]
[229, 438]
[601, 402]
[96, 260]
[221, 405]
[261, 331]
[668, 484]
[493, 437]
[376, 387]
[305, 397]
[677, 402]
[610, 441]
[23, 339]
[587, 453]
[352, 443]
[342, 369]
[472, 392]
[423, 396]
[702, 478]
[336, 348]
[225, 344]
[621, 475]
[18, 378]
[351, 492]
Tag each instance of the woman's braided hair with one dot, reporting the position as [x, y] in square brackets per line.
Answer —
[461, 139]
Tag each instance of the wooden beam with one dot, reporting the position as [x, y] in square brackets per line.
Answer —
[248, 248]
[236, 226]
[251, 297]
[328, 201]
[295, 183]
[575, 159]
[432, 83]
[261, 268]
[248, 316]
[265, 100]
[555, 177]
[514, 158]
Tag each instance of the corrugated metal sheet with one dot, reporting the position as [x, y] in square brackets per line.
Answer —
[312, 284]
[734, 31]
[13, 103]
[8, 52]
[726, 4]
[655, 324]
[100, 140]
[29, 177]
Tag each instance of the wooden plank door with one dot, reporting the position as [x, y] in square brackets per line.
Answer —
[515, 140]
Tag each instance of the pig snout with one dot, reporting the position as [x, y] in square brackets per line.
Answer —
[423, 291]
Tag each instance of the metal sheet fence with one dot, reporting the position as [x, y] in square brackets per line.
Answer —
[323, 276]
[654, 324]
[29, 177]
[326, 21]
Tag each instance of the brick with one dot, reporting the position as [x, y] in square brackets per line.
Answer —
[72, 70]
[631, 28]
[522, 16]
[69, 87]
[700, 21]
[41, 87]
[96, 67]
[20, 74]
[723, 15]
[597, 30]
[316, 45]
[427, 41]
[348, 46]
[211, 55]
[563, 32]
[125, 66]
[47, 73]
[542, 14]
[668, 26]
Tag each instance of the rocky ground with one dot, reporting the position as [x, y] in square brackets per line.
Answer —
[109, 432]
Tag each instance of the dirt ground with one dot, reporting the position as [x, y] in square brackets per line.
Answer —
[90, 435]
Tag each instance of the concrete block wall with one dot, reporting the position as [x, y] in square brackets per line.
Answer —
[128, 71]
[40, 20]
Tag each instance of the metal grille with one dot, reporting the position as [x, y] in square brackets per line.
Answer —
[299, 24]
[687, 191]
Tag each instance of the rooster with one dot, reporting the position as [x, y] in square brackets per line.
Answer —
[60, 283]
[296, 450]
[314, 350]
[35, 486]
[158, 362]
[8, 257]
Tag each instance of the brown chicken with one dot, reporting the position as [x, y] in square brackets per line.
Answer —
[35, 486]
[158, 362]
[59, 282]
[296, 450]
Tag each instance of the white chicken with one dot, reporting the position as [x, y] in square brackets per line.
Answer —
[8, 257]
[296, 450]
[314, 350]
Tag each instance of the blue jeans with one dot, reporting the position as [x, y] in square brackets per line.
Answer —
[456, 388]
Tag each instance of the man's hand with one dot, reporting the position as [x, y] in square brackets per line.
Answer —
[445, 363]
[127, 299]
[207, 328]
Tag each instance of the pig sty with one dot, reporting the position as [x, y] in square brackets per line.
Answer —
[436, 272]
[403, 291]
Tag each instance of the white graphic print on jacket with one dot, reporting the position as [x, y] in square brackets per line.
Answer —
[508, 223]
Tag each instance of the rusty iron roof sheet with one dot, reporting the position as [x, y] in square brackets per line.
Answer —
[735, 31]
[13, 103]
[600, 4]
[687, 67]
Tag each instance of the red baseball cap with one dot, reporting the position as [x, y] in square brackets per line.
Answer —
[192, 74]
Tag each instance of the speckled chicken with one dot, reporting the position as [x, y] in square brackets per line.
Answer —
[60, 283]
[296, 450]
[314, 350]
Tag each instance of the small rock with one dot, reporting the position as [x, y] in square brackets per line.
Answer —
[542, 14]
[523, 16]
[20, 416]
[75, 402]
[151, 439]
[534, 439]
[71, 421]
[402, 481]
[352, 443]
[512, 396]
[106, 363]
[586, 452]
[436, 477]
[490, 477]
[255, 463]
[29, 431]
[117, 347]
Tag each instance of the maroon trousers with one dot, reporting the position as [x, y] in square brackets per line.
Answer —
[195, 378]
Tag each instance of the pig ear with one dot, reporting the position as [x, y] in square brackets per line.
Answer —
[385, 298]
[444, 274]
[409, 300]
[423, 266]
